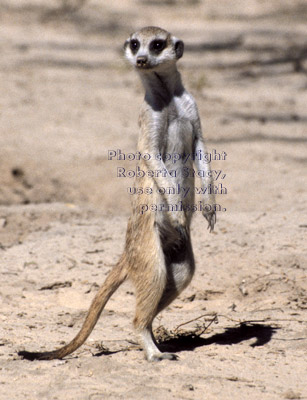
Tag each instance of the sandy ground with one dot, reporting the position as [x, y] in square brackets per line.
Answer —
[67, 98]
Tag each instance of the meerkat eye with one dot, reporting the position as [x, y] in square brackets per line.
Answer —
[157, 45]
[134, 45]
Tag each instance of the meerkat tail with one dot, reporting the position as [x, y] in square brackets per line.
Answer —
[116, 277]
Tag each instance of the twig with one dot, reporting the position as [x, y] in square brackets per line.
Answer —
[196, 319]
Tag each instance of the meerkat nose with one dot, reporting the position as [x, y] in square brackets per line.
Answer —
[141, 61]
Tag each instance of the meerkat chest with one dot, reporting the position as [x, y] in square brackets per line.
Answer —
[180, 108]
[179, 127]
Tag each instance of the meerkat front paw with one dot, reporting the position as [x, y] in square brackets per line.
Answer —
[211, 218]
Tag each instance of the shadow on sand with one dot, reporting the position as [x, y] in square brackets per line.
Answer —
[234, 335]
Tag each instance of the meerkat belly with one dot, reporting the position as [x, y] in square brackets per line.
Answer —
[179, 159]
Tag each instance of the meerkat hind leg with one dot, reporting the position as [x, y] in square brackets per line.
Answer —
[150, 290]
[179, 264]
[147, 307]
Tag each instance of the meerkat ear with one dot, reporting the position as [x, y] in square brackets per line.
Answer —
[126, 44]
[179, 47]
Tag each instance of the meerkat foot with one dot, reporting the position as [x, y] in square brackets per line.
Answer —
[151, 350]
[162, 356]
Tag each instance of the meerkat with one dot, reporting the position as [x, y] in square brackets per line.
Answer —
[158, 257]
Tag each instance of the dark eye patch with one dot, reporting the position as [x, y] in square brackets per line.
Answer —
[157, 45]
[134, 45]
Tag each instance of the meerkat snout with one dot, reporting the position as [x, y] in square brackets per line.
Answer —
[141, 61]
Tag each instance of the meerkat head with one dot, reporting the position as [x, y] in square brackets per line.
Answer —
[152, 48]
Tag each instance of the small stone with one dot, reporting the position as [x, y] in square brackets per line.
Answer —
[188, 386]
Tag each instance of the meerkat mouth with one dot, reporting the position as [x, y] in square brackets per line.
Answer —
[144, 66]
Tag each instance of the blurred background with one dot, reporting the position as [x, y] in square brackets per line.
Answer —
[67, 96]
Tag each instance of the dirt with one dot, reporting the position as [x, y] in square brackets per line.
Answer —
[67, 99]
